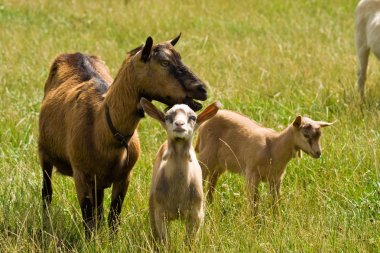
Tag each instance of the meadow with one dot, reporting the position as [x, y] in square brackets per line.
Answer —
[270, 60]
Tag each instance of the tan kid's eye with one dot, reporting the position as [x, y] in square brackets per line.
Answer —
[164, 63]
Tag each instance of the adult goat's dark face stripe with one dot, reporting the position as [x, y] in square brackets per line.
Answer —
[184, 76]
[170, 62]
[176, 68]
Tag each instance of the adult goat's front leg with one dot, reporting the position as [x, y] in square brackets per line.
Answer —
[98, 196]
[119, 189]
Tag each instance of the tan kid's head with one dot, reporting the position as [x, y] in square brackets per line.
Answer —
[307, 135]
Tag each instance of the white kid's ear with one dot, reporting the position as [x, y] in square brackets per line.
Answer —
[208, 113]
[152, 110]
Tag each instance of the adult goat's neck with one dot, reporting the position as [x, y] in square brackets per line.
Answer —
[122, 100]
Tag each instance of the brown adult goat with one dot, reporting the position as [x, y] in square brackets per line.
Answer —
[88, 121]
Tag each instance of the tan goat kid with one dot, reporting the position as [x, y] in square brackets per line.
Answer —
[231, 141]
[88, 121]
[176, 189]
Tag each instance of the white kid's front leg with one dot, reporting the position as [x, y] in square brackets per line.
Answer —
[162, 226]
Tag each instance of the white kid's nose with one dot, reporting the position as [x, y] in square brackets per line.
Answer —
[179, 123]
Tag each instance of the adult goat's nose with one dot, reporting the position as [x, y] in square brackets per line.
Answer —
[201, 88]
[318, 154]
[202, 92]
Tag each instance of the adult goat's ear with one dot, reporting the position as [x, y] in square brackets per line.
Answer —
[175, 40]
[209, 112]
[146, 50]
[151, 110]
[297, 122]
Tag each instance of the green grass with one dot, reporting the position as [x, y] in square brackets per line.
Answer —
[270, 60]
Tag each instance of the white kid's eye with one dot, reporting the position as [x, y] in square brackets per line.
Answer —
[167, 118]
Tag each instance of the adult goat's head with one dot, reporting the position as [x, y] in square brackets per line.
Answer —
[163, 76]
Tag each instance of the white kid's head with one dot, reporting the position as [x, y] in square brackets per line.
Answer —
[180, 121]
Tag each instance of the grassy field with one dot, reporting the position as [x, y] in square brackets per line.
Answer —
[270, 60]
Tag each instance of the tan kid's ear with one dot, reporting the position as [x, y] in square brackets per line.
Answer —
[324, 124]
[209, 112]
[151, 110]
[298, 121]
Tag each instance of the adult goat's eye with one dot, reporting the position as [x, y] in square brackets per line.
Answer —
[164, 63]
[306, 136]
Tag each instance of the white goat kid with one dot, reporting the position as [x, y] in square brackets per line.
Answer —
[367, 36]
[176, 190]
[233, 142]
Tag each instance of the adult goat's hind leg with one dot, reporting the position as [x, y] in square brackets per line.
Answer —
[85, 198]
[47, 190]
